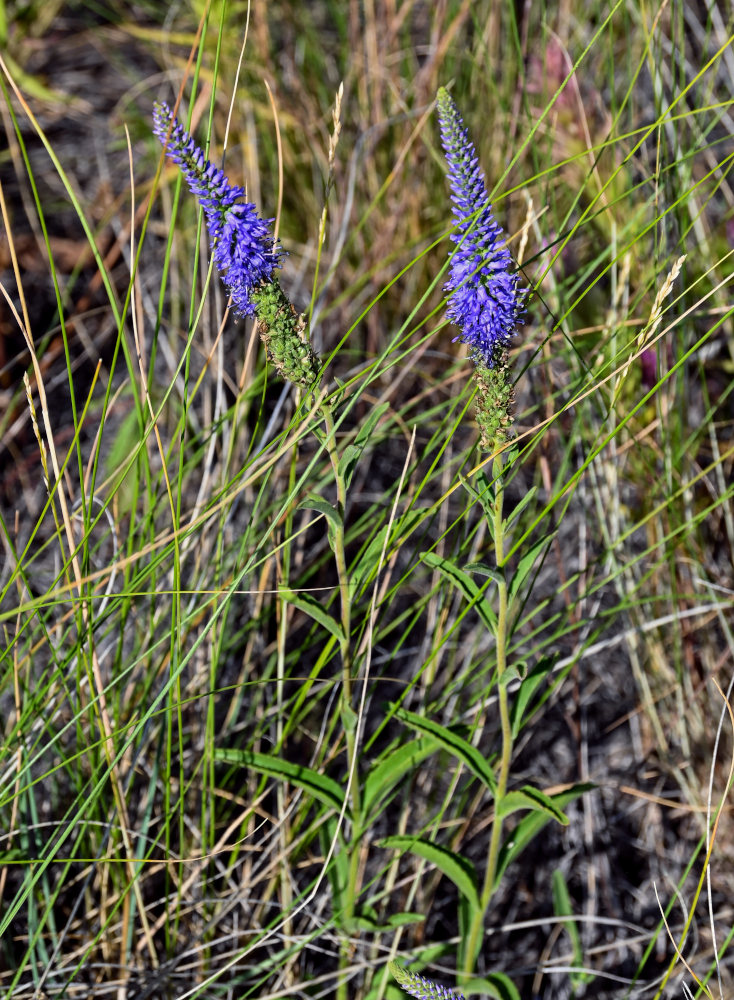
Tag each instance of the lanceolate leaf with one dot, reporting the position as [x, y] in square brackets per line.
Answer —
[308, 604]
[456, 868]
[532, 799]
[365, 565]
[319, 786]
[464, 583]
[524, 694]
[456, 745]
[531, 825]
[338, 870]
[483, 494]
[352, 452]
[525, 566]
[333, 518]
[483, 570]
[389, 770]
[520, 507]
[365, 921]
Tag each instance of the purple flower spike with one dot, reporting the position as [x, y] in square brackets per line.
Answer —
[485, 301]
[242, 243]
[419, 987]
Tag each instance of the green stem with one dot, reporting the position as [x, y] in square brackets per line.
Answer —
[348, 715]
[476, 925]
[340, 555]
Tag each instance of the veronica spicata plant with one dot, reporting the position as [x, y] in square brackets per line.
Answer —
[246, 254]
[485, 301]
[244, 251]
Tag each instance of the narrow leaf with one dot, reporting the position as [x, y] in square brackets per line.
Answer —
[514, 672]
[456, 745]
[348, 462]
[530, 826]
[352, 452]
[319, 786]
[463, 582]
[391, 768]
[365, 565]
[308, 604]
[533, 799]
[367, 922]
[338, 870]
[405, 919]
[368, 424]
[484, 495]
[527, 689]
[456, 868]
[525, 565]
[333, 518]
[483, 570]
[520, 507]
[563, 907]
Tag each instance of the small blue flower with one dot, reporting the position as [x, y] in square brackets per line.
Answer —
[485, 302]
[242, 243]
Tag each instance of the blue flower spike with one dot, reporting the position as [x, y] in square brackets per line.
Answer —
[419, 987]
[485, 301]
[244, 251]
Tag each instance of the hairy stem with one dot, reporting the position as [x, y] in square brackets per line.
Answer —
[476, 925]
[348, 715]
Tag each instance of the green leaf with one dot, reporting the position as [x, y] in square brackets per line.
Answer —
[495, 984]
[390, 769]
[123, 474]
[463, 582]
[367, 426]
[563, 907]
[333, 518]
[531, 825]
[349, 718]
[338, 870]
[348, 462]
[405, 919]
[368, 921]
[484, 495]
[352, 452]
[456, 745]
[527, 689]
[465, 921]
[525, 565]
[365, 565]
[456, 868]
[533, 799]
[319, 786]
[483, 570]
[308, 604]
[514, 672]
[520, 507]
[367, 562]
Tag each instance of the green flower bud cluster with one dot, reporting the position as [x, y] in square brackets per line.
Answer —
[494, 401]
[283, 332]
